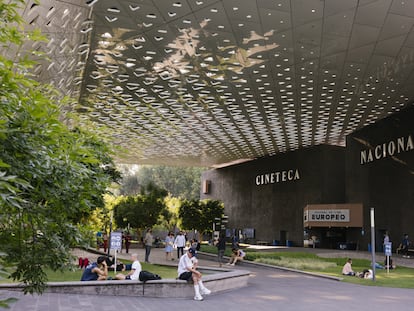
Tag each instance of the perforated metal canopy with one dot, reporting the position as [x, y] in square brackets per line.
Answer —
[207, 82]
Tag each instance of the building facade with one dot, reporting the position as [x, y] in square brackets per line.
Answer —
[266, 199]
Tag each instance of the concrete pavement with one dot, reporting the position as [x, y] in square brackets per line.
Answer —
[268, 289]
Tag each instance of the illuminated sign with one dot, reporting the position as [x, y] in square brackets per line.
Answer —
[277, 177]
[331, 215]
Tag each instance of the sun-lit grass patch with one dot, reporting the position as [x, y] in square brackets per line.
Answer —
[299, 264]
[402, 277]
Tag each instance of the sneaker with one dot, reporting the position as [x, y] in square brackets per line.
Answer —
[232, 264]
[198, 297]
[205, 291]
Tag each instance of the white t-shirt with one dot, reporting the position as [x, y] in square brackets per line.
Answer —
[136, 267]
[180, 240]
[184, 264]
[369, 275]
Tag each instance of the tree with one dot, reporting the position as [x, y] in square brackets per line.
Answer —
[141, 211]
[100, 218]
[51, 176]
[130, 185]
[183, 182]
[169, 218]
[200, 215]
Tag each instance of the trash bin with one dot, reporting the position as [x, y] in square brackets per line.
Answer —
[275, 243]
[288, 243]
[369, 247]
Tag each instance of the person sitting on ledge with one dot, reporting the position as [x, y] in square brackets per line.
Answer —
[347, 268]
[135, 270]
[96, 271]
[187, 270]
[237, 255]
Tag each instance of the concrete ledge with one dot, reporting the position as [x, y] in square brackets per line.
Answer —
[218, 280]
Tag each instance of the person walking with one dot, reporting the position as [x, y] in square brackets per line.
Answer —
[148, 241]
[405, 243]
[221, 248]
[180, 243]
[169, 242]
[385, 241]
[105, 241]
[127, 242]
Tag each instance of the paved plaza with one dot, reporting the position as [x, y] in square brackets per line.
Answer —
[268, 289]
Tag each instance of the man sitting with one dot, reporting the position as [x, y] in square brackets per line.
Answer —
[187, 270]
[135, 270]
[96, 271]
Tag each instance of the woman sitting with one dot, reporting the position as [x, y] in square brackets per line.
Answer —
[237, 255]
[347, 268]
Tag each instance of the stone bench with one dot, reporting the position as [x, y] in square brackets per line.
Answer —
[217, 280]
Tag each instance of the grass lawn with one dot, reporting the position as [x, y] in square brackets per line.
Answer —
[75, 275]
[401, 277]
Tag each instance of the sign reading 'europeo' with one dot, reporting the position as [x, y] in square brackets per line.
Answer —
[388, 149]
[277, 177]
[331, 215]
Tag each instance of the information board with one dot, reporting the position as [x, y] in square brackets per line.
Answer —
[388, 249]
[116, 241]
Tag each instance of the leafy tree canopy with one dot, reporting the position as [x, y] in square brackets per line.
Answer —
[51, 176]
[183, 182]
[141, 211]
[200, 215]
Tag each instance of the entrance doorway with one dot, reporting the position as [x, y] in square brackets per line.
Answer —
[284, 237]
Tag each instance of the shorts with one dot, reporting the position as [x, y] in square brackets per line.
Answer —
[186, 276]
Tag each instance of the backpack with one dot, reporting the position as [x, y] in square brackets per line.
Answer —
[148, 276]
